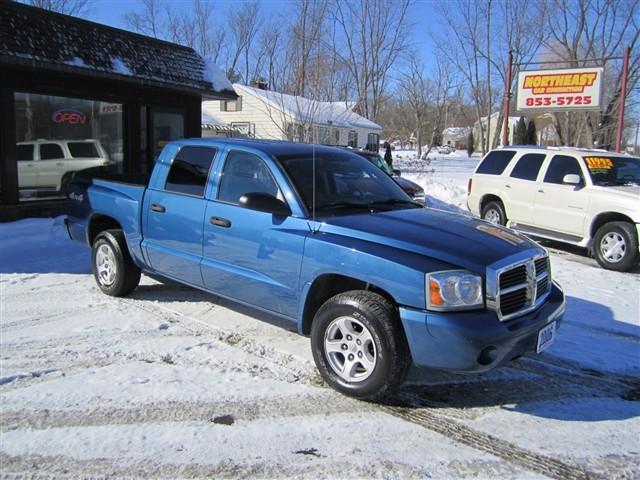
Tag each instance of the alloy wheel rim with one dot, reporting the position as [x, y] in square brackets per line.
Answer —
[350, 349]
[492, 216]
[613, 247]
[106, 265]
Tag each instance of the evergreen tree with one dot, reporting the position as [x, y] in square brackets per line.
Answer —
[520, 135]
[532, 134]
[470, 143]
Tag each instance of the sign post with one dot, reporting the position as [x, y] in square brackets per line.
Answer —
[623, 98]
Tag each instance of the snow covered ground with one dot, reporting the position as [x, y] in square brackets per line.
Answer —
[173, 383]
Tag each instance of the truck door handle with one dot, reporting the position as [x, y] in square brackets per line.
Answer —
[540, 190]
[158, 208]
[508, 186]
[59, 164]
[220, 222]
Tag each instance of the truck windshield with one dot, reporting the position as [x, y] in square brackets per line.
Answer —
[378, 161]
[611, 171]
[344, 183]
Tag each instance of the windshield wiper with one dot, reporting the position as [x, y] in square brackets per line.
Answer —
[343, 205]
[395, 201]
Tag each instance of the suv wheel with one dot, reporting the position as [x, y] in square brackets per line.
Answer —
[358, 344]
[113, 268]
[493, 212]
[616, 246]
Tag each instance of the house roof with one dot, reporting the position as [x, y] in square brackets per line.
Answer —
[33, 37]
[309, 111]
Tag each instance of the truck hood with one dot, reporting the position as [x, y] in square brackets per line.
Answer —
[460, 240]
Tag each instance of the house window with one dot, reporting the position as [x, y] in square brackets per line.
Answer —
[322, 136]
[231, 105]
[353, 139]
[336, 137]
[56, 136]
[295, 132]
[244, 128]
[373, 142]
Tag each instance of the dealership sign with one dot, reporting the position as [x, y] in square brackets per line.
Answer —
[566, 89]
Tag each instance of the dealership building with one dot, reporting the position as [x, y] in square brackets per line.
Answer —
[77, 94]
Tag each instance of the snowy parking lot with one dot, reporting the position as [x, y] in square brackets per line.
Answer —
[171, 382]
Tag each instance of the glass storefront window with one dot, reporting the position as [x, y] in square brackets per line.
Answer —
[56, 136]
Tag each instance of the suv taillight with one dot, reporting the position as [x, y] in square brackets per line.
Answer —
[469, 186]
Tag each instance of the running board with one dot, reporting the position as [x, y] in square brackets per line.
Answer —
[543, 233]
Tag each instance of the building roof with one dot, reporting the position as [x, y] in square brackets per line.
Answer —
[33, 37]
[456, 131]
[304, 110]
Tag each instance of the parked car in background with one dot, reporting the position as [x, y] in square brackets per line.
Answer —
[414, 190]
[50, 163]
[588, 198]
[445, 149]
[329, 242]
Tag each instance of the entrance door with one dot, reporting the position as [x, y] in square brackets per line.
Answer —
[167, 125]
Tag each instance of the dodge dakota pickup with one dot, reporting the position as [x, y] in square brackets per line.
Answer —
[325, 239]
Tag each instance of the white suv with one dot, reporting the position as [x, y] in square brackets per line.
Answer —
[589, 198]
[50, 163]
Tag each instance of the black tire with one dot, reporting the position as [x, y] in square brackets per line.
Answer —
[65, 183]
[126, 274]
[494, 209]
[380, 317]
[624, 259]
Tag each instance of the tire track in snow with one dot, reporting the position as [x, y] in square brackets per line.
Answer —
[507, 451]
[324, 402]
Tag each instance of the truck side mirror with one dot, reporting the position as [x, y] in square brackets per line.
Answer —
[263, 202]
[572, 179]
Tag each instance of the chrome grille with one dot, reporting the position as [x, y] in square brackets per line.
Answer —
[516, 288]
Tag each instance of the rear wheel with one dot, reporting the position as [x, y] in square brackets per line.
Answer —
[112, 265]
[615, 246]
[493, 212]
[358, 344]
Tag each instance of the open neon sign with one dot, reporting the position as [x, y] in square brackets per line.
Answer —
[72, 117]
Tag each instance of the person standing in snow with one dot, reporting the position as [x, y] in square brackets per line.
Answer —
[387, 154]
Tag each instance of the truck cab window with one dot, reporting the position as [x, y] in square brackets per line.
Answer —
[189, 171]
[245, 173]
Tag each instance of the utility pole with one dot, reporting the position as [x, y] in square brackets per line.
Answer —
[623, 98]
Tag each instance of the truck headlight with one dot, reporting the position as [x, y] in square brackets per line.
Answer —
[454, 290]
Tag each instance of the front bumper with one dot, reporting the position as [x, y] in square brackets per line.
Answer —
[460, 341]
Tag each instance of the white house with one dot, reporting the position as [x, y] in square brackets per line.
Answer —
[455, 136]
[271, 115]
[513, 123]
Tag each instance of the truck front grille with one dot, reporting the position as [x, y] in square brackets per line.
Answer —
[520, 287]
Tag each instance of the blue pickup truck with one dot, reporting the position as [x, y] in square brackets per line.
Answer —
[325, 239]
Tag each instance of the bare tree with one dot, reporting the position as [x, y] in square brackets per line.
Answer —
[373, 36]
[147, 22]
[582, 29]
[244, 27]
[76, 8]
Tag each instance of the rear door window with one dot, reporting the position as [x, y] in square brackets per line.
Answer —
[83, 150]
[24, 153]
[560, 166]
[528, 166]
[495, 162]
[189, 171]
[51, 151]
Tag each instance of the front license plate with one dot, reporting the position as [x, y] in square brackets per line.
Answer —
[546, 336]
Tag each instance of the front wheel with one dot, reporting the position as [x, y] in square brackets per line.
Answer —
[615, 245]
[358, 344]
[112, 265]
